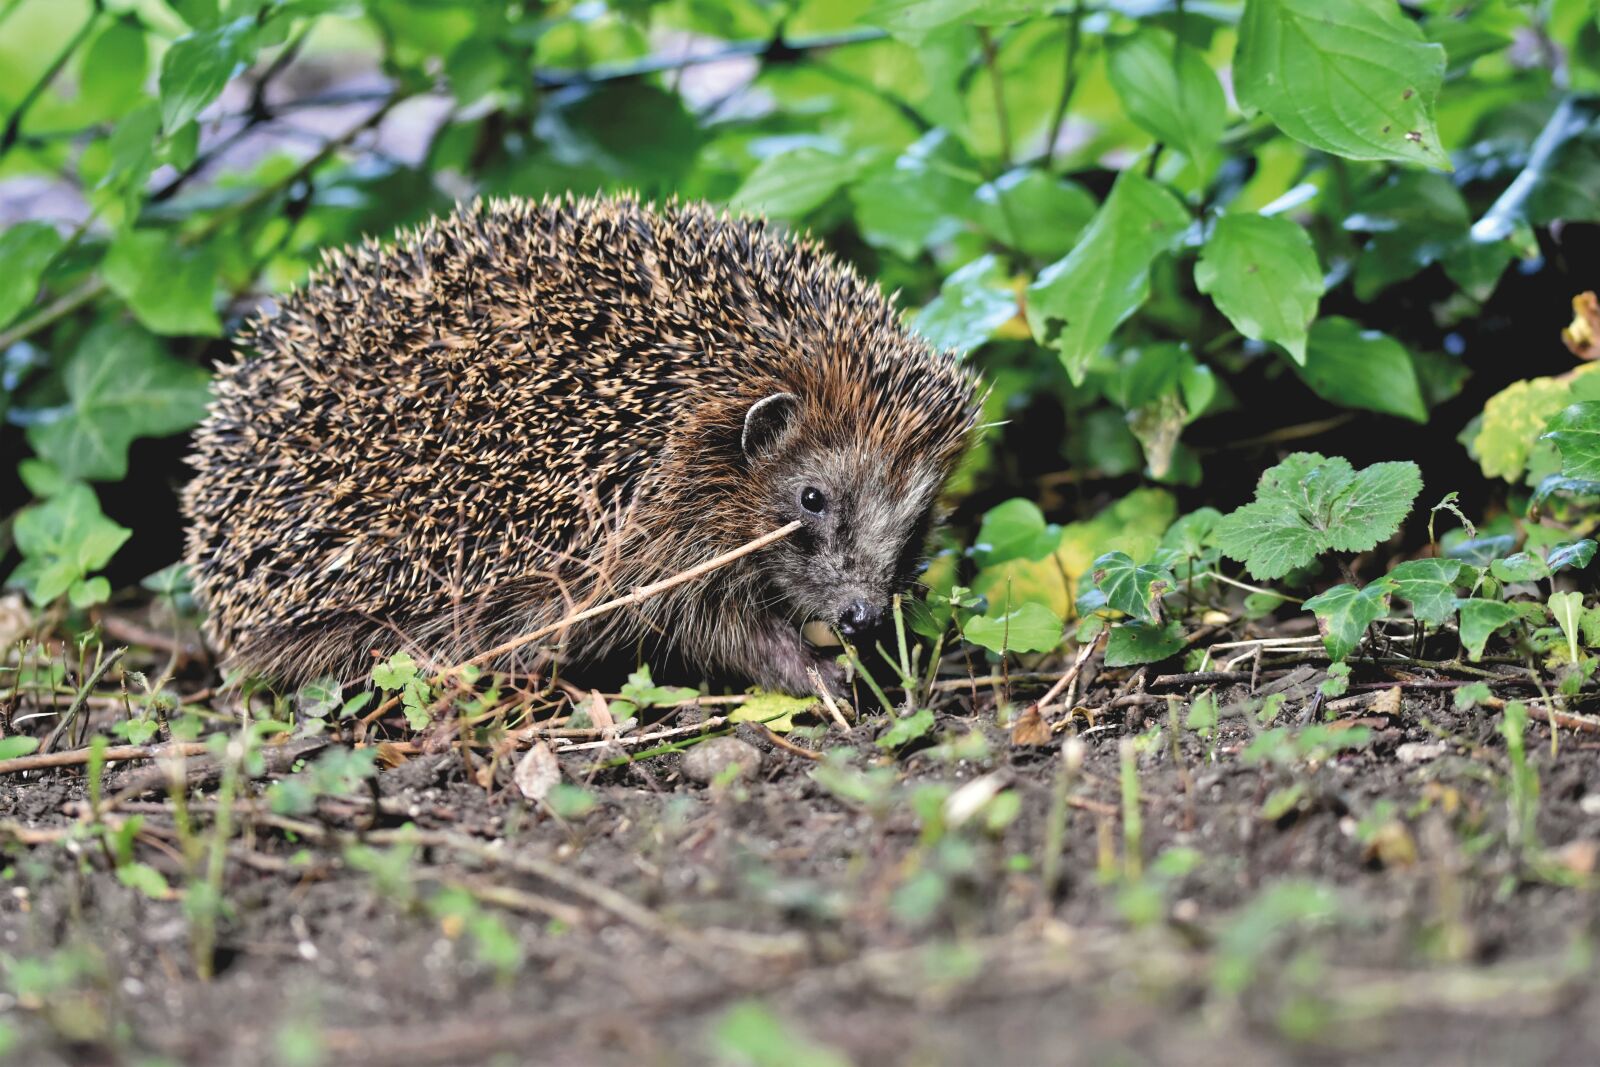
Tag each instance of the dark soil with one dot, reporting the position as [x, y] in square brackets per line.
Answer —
[868, 932]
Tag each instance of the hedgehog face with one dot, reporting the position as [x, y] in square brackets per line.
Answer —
[865, 514]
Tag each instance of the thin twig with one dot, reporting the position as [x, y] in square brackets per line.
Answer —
[1066, 679]
[642, 593]
[79, 756]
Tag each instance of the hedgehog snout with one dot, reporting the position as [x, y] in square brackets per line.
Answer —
[859, 616]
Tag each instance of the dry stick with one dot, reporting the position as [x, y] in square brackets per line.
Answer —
[106, 663]
[1066, 679]
[642, 593]
[79, 756]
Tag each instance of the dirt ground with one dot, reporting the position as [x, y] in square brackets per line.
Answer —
[1371, 877]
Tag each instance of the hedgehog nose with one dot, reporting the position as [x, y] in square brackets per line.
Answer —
[857, 616]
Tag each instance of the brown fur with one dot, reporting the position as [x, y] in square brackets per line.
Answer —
[446, 442]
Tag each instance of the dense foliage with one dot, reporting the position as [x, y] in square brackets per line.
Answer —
[1140, 219]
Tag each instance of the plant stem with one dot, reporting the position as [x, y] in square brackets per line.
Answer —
[1002, 117]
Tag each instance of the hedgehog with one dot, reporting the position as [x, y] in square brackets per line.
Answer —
[524, 408]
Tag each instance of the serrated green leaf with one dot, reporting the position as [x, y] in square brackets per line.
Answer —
[1352, 77]
[26, 249]
[1344, 613]
[121, 385]
[1262, 273]
[1170, 90]
[1135, 643]
[199, 65]
[1310, 504]
[1480, 619]
[1576, 432]
[1359, 368]
[1428, 585]
[1032, 627]
[61, 541]
[170, 289]
[395, 672]
[973, 302]
[1133, 589]
[1078, 302]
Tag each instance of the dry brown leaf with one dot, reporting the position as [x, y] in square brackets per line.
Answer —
[390, 756]
[1387, 703]
[1391, 846]
[1578, 856]
[537, 772]
[1582, 338]
[600, 714]
[1030, 729]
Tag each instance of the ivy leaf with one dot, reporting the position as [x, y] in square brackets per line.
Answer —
[1169, 89]
[1134, 643]
[792, 183]
[120, 385]
[199, 66]
[169, 289]
[1309, 504]
[1351, 77]
[1344, 613]
[26, 249]
[1428, 585]
[1130, 588]
[61, 541]
[1262, 273]
[1576, 432]
[1357, 368]
[1519, 567]
[1078, 302]
[1032, 627]
[972, 303]
[1480, 618]
[1575, 554]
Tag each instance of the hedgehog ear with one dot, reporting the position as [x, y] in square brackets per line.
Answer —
[767, 423]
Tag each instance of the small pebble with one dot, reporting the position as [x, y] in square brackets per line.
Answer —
[707, 761]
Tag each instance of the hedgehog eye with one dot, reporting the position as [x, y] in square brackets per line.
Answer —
[813, 500]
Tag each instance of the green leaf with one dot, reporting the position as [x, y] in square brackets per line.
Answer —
[1130, 588]
[973, 302]
[1520, 567]
[1032, 627]
[26, 249]
[112, 77]
[1428, 585]
[61, 541]
[394, 673]
[792, 183]
[920, 199]
[1344, 613]
[199, 66]
[1567, 609]
[1512, 419]
[1262, 272]
[1575, 554]
[1351, 77]
[776, 710]
[169, 288]
[1309, 504]
[1134, 643]
[905, 730]
[1014, 530]
[1035, 212]
[120, 385]
[1576, 432]
[1359, 368]
[1170, 90]
[1481, 618]
[1078, 302]
[146, 879]
[17, 745]
[643, 692]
